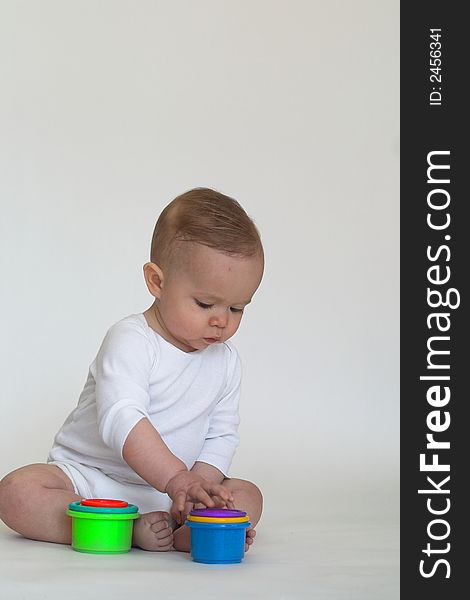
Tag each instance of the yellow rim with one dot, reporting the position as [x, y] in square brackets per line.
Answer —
[218, 519]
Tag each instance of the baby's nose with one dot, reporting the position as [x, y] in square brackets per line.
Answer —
[218, 320]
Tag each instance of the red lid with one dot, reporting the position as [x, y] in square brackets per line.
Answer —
[104, 503]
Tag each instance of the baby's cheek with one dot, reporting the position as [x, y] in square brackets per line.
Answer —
[235, 327]
[180, 327]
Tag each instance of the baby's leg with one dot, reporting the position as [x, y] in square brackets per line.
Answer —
[33, 501]
[246, 496]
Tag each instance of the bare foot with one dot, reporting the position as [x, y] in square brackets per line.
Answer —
[181, 536]
[250, 538]
[151, 532]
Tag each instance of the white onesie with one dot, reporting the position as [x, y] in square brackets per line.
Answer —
[190, 397]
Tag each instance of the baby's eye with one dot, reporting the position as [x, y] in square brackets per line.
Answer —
[236, 310]
[203, 305]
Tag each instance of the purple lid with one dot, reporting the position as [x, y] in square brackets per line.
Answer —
[218, 513]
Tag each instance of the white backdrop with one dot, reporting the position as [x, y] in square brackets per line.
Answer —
[108, 110]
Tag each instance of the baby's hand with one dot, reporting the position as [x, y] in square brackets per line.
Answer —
[188, 507]
[189, 487]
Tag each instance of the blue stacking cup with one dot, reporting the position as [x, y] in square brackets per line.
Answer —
[217, 535]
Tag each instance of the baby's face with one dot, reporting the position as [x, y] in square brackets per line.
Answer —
[202, 301]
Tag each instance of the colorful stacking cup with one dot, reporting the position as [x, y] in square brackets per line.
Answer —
[217, 535]
[102, 526]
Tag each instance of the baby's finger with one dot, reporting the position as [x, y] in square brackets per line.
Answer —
[174, 512]
[200, 495]
[179, 501]
[188, 507]
[220, 501]
[219, 490]
[177, 516]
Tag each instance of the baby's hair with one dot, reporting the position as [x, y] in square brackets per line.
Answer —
[207, 217]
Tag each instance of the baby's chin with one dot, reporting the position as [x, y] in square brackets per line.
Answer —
[193, 345]
[202, 344]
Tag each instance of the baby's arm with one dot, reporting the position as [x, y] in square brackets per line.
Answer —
[148, 455]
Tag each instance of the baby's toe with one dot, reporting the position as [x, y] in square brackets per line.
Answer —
[165, 539]
[159, 526]
[163, 534]
[251, 533]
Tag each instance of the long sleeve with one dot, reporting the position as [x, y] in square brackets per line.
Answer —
[122, 372]
[222, 438]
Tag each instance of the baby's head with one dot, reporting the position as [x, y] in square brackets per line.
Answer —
[207, 262]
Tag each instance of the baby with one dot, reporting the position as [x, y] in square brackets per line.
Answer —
[156, 423]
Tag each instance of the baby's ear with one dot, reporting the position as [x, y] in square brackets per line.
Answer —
[153, 275]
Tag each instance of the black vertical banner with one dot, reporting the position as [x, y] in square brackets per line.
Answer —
[435, 269]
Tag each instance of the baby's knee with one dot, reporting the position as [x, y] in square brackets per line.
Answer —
[10, 493]
[256, 492]
[15, 490]
[248, 487]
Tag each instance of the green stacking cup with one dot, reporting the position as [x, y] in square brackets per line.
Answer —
[102, 526]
